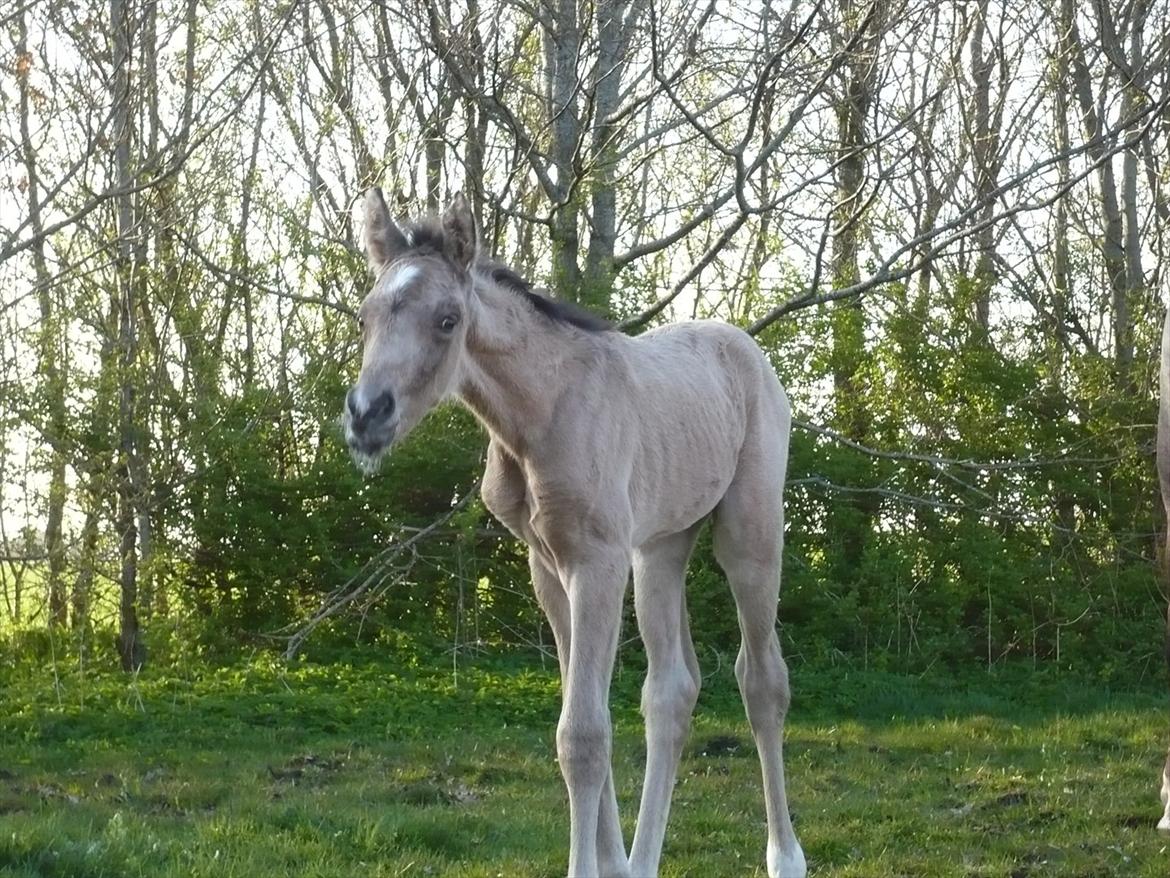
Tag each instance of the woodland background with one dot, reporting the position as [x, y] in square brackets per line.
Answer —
[946, 223]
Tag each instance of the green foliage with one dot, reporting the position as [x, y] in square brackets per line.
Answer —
[276, 528]
[1025, 527]
[1014, 515]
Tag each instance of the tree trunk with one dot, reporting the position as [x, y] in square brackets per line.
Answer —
[597, 287]
[130, 645]
[475, 138]
[1132, 99]
[985, 152]
[1061, 295]
[848, 319]
[83, 582]
[562, 46]
[49, 353]
[1113, 244]
[851, 515]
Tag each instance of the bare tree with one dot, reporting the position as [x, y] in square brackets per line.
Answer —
[51, 349]
[130, 645]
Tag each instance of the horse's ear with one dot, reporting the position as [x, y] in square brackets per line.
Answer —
[460, 239]
[384, 240]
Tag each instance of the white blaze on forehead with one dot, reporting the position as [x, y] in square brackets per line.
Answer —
[403, 278]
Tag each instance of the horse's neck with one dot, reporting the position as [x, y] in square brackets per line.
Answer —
[516, 368]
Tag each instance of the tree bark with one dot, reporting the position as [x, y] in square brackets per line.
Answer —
[851, 413]
[1113, 246]
[985, 152]
[475, 120]
[1132, 98]
[83, 582]
[49, 352]
[562, 48]
[130, 645]
[612, 44]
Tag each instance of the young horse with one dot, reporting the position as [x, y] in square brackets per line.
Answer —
[606, 452]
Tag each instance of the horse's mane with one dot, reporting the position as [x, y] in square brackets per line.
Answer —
[426, 236]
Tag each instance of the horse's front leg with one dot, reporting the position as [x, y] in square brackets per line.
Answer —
[554, 600]
[595, 590]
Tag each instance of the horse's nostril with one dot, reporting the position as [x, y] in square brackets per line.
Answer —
[363, 414]
[383, 406]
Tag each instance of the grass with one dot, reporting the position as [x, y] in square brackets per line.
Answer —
[367, 768]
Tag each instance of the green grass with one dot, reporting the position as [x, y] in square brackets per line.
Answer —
[370, 769]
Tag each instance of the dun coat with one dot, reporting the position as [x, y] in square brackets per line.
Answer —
[607, 454]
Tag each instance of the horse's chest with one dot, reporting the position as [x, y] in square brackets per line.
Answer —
[554, 520]
[505, 494]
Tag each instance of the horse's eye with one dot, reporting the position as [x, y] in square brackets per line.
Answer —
[448, 323]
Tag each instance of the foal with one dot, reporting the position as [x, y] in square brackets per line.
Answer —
[606, 453]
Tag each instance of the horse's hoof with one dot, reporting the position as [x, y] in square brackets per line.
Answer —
[787, 864]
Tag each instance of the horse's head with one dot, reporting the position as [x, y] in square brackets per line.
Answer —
[413, 324]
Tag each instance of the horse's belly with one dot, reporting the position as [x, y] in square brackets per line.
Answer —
[680, 483]
[677, 513]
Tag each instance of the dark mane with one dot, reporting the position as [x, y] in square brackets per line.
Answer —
[425, 236]
[556, 310]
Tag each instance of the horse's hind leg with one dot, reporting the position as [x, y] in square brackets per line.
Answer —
[748, 538]
[671, 687]
[1164, 823]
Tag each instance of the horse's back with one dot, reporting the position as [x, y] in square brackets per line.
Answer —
[707, 356]
[706, 403]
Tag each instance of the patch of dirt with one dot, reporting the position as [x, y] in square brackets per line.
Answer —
[310, 766]
[492, 775]
[1038, 862]
[54, 792]
[1137, 821]
[961, 810]
[12, 804]
[162, 806]
[719, 769]
[723, 745]
[1007, 800]
[435, 791]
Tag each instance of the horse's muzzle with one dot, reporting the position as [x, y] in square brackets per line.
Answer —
[369, 428]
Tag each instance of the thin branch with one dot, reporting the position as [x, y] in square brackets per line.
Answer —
[374, 574]
[886, 273]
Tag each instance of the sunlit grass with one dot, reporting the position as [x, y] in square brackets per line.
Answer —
[255, 770]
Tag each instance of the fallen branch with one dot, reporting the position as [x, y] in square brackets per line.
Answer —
[375, 573]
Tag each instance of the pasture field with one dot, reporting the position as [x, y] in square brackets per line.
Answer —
[365, 767]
